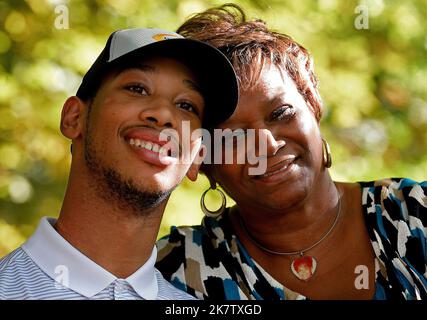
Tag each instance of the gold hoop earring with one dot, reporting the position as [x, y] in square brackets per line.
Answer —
[327, 157]
[206, 211]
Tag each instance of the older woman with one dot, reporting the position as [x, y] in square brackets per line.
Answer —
[294, 232]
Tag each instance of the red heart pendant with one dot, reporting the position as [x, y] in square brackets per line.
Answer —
[303, 267]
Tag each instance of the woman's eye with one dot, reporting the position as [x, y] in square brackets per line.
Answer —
[187, 107]
[283, 113]
[137, 88]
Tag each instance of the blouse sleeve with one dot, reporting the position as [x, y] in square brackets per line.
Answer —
[396, 216]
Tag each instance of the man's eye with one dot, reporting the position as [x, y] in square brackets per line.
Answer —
[188, 107]
[283, 113]
[137, 88]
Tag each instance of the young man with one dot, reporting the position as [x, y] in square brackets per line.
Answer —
[122, 173]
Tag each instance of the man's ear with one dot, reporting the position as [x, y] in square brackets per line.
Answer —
[72, 117]
[193, 171]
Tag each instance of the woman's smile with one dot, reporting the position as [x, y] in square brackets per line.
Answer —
[279, 172]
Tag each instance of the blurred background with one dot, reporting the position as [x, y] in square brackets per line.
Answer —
[370, 57]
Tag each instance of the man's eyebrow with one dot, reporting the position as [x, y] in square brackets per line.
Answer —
[192, 85]
[139, 66]
[151, 69]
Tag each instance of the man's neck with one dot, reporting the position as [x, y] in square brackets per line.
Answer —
[116, 239]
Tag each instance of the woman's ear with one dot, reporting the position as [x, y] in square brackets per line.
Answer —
[72, 117]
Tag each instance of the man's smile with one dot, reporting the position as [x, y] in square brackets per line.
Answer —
[146, 143]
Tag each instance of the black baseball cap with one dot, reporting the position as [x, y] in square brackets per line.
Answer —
[216, 75]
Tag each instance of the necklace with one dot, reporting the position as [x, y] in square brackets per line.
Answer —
[303, 266]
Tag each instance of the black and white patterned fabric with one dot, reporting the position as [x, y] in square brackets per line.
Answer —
[209, 262]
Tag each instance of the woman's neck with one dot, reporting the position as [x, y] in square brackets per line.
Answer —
[292, 228]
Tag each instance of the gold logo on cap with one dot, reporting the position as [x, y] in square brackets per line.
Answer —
[164, 36]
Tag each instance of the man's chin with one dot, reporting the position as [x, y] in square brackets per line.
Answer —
[137, 198]
[141, 197]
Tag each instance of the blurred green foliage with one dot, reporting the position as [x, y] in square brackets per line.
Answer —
[373, 83]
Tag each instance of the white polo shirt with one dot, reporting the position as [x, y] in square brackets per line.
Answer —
[49, 267]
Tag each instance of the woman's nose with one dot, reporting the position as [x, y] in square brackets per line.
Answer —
[272, 143]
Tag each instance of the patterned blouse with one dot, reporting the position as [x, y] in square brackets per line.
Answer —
[209, 262]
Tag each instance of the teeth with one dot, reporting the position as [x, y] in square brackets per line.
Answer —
[148, 145]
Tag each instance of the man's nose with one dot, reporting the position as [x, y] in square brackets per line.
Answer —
[161, 113]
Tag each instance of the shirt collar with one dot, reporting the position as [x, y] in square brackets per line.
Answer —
[71, 268]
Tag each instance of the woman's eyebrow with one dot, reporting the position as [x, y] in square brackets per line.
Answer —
[279, 97]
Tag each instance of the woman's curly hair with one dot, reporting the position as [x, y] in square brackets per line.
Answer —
[249, 45]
